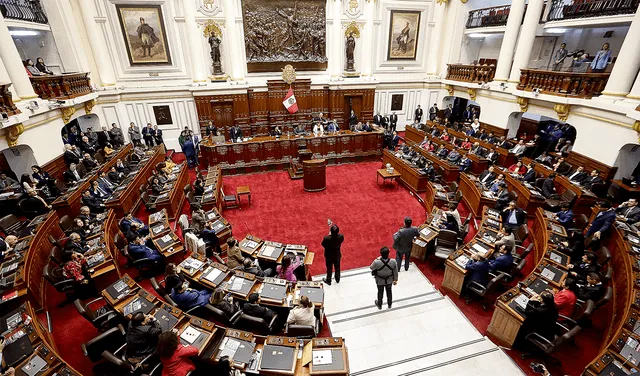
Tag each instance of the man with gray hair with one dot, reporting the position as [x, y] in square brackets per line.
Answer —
[403, 241]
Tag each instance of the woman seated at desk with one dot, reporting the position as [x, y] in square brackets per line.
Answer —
[172, 277]
[286, 270]
[175, 357]
[302, 314]
[540, 315]
[518, 168]
[466, 144]
[77, 269]
[223, 302]
[79, 228]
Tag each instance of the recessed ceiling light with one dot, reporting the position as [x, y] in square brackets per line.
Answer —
[24, 33]
[556, 31]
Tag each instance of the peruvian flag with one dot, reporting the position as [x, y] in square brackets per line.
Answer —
[290, 102]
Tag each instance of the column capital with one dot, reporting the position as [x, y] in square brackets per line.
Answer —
[13, 132]
[562, 109]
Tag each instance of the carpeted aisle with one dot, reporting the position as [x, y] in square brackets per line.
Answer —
[367, 215]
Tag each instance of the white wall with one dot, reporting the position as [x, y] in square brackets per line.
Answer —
[487, 47]
[41, 45]
[20, 159]
[412, 98]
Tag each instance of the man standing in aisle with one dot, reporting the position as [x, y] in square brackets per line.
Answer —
[393, 121]
[331, 244]
[433, 112]
[418, 115]
[403, 241]
[385, 272]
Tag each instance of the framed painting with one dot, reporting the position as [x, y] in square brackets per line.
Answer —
[396, 102]
[163, 115]
[404, 29]
[144, 34]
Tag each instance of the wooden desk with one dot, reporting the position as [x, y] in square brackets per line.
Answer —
[409, 176]
[70, 201]
[173, 201]
[628, 191]
[473, 196]
[127, 199]
[266, 152]
[455, 272]
[529, 199]
[315, 175]
[212, 197]
[384, 174]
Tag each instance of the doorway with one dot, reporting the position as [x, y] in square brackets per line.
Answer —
[222, 115]
[352, 103]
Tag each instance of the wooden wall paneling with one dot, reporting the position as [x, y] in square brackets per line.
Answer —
[56, 167]
[606, 172]
[258, 112]
[529, 126]
[336, 107]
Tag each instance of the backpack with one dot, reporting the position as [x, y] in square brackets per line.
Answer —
[385, 264]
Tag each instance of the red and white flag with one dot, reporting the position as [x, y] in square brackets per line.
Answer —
[290, 102]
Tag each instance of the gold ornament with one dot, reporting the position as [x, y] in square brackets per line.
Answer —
[464, 1]
[441, 2]
[88, 106]
[524, 103]
[67, 113]
[562, 110]
[208, 3]
[353, 4]
[352, 28]
[212, 27]
[449, 88]
[472, 93]
[13, 132]
[289, 74]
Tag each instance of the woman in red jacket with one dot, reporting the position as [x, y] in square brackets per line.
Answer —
[174, 356]
[466, 144]
[518, 168]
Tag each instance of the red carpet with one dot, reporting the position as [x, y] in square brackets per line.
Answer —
[367, 215]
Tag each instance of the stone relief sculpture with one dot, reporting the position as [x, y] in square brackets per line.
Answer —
[280, 31]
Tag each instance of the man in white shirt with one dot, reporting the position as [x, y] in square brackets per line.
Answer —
[519, 149]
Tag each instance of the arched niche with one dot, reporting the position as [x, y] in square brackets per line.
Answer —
[628, 162]
[459, 105]
[82, 124]
[17, 161]
[519, 124]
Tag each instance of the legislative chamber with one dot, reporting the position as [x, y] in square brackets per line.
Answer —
[371, 188]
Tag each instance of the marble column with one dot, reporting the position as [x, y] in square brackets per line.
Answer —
[435, 47]
[456, 17]
[337, 41]
[503, 67]
[98, 44]
[627, 64]
[525, 41]
[4, 79]
[635, 90]
[13, 64]
[367, 57]
[194, 35]
[233, 42]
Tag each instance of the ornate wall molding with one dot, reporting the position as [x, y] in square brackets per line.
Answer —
[354, 28]
[208, 7]
[636, 127]
[472, 93]
[212, 27]
[88, 106]
[13, 132]
[442, 2]
[562, 110]
[449, 89]
[67, 113]
[524, 103]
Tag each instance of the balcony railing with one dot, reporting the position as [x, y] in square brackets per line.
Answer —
[63, 86]
[494, 16]
[564, 84]
[563, 10]
[6, 101]
[470, 73]
[23, 10]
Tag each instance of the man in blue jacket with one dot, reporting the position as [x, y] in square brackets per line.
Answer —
[187, 298]
[125, 224]
[478, 268]
[503, 262]
[565, 215]
[138, 250]
[602, 222]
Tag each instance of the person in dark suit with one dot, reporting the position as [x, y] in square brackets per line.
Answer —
[602, 221]
[138, 250]
[487, 176]
[464, 163]
[530, 175]
[147, 135]
[503, 262]
[448, 112]
[593, 289]
[104, 137]
[588, 265]
[478, 268]
[565, 215]
[210, 130]
[513, 216]
[235, 133]
[466, 115]
[122, 166]
[95, 205]
[71, 154]
[187, 298]
[502, 196]
[548, 188]
[377, 119]
[393, 121]
[86, 217]
[629, 211]
[577, 176]
[454, 156]
[89, 162]
[403, 242]
[72, 175]
[35, 203]
[190, 152]
[332, 255]
[210, 238]
[433, 112]
[353, 119]
[114, 176]
[252, 308]
[157, 135]
[128, 220]
[593, 178]
[385, 121]
[251, 267]
[541, 315]
[99, 191]
[86, 146]
[417, 114]
[117, 138]
[561, 167]
[74, 244]
[395, 139]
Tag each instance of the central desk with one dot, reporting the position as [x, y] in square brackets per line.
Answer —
[262, 153]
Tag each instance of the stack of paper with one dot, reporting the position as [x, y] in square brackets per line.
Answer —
[190, 334]
[213, 274]
[321, 357]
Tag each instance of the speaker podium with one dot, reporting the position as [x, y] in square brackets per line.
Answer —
[315, 175]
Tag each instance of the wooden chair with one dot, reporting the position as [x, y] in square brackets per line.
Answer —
[229, 201]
